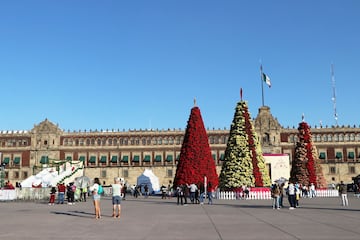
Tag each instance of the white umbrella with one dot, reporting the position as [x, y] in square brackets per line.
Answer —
[82, 182]
[281, 180]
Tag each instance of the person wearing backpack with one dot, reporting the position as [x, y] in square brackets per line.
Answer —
[275, 194]
[96, 190]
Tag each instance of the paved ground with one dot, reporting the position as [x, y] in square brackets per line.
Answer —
[153, 218]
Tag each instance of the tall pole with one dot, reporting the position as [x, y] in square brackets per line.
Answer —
[334, 94]
[262, 84]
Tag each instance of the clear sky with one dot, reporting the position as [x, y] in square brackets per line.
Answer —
[139, 64]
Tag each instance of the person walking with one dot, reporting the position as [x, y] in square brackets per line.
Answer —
[202, 193]
[193, 190]
[116, 197]
[281, 197]
[61, 193]
[180, 195]
[210, 191]
[291, 195]
[146, 191]
[52, 196]
[163, 191]
[84, 192]
[343, 194]
[312, 190]
[275, 194]
[96, 197]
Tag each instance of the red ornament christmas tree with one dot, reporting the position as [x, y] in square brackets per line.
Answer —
[195, 161]
[306, 168]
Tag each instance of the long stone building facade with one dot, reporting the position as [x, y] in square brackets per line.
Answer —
[111, 153]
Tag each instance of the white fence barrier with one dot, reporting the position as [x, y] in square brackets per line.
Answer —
[258, 195]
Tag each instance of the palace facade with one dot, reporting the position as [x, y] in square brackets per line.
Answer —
[110, 153]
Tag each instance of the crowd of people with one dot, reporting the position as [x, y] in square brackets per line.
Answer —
[295, 191]
[196, 193]
[118, 192]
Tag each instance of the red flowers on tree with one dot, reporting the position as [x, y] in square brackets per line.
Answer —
[305, 167]
[196, 160]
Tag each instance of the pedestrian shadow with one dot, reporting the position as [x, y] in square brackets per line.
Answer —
[262, 206]
[80, 214]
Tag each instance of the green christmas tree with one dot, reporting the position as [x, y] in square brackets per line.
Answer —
[243, 161]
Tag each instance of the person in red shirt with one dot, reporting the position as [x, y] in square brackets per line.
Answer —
[61, 193]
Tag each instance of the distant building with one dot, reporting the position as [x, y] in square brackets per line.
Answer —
[110, 153]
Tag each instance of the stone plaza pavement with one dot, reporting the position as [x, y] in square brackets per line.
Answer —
[154, 218]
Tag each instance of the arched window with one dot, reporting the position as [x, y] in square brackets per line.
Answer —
[330, 139]
[352, 137]
[341, 138]
[347, 137]
[318, 138]
[357, 138]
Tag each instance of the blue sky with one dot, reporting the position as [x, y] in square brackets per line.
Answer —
[139, 64]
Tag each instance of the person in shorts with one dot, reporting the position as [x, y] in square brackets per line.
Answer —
[116, 197]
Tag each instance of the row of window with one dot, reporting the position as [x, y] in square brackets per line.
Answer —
[14, 143]
[103, 174]
[339, 155]
[135, 141]
[352, 137]
[93, 159]
[351, 170]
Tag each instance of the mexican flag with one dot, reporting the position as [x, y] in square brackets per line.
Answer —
[266, 79]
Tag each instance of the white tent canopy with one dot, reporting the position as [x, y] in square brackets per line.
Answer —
[150, 179]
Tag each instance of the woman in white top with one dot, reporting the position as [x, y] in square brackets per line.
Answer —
[96, 197]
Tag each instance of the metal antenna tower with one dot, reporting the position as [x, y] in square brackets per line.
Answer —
[334, 94]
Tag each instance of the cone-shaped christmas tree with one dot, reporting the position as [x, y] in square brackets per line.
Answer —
[306, 167]
[196, 160]
[320, 179]
[243, 162]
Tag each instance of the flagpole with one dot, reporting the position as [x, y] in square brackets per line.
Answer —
[262, 84]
